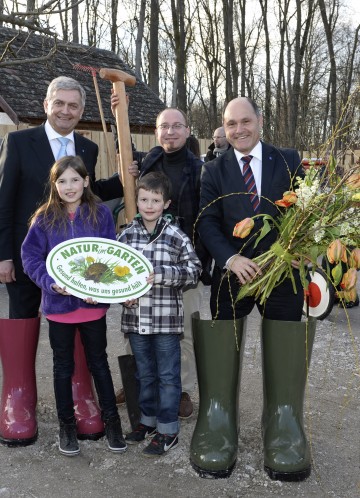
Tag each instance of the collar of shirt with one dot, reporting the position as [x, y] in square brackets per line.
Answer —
[256, 164]
[55, 144]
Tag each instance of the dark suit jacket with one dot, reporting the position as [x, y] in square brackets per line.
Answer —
[222, 177]
[25, 162]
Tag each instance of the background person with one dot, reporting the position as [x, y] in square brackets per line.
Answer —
[218, 146]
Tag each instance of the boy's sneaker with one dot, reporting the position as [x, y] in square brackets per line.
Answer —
[160, 444]
[68, 443]
[140, 434]
[114, 435]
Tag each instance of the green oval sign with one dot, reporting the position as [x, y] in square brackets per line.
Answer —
[105, 270]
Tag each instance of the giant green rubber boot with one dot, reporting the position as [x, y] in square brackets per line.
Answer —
[286, 353]
[218, 353]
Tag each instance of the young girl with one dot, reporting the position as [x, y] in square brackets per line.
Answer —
[71, 211]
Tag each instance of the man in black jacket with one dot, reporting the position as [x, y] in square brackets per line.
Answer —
[26, 158]
[218, 146]
[183, 168]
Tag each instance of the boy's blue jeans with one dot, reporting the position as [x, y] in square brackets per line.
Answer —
[158, 361]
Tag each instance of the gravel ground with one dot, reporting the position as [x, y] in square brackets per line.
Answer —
[332, 416]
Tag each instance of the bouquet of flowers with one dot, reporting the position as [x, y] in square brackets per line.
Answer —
[321, 216]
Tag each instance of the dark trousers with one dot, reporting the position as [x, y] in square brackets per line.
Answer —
[93, 337]
[282, 304]
[24, 297]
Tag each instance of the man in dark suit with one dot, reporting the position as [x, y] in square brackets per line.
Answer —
[244, 182]
[273, 171]
[26, 158]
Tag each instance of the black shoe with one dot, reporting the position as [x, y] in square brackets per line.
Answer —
[140, 434]
[114, 435]
[160, 444]
[68, 443]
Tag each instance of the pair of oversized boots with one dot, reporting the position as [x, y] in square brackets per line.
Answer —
[286, 352]
[18, 425]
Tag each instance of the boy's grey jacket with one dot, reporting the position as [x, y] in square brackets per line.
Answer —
[176, 265]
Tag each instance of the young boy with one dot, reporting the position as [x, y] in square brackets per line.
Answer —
[155, 322]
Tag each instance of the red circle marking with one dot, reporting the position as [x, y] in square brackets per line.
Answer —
[314, 295]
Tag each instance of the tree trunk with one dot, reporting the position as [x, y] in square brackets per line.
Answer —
[74, 21]
[113, 27]
[180, 53]
[139, 38]
[154, 47]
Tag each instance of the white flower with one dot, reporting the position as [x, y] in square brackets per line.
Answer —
[79, 260]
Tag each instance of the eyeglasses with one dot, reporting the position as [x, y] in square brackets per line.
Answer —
[218, 137]
[175, 126]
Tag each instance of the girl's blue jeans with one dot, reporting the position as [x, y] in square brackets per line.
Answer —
[158, 360]
[93, 338]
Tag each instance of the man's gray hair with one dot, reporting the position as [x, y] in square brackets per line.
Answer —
[65, 83]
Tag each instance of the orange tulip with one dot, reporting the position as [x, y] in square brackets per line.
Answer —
[354, 259]
[336, 252]
[288, 199]
[350, 295]
[243, 228]
[349, 279]
[353, 181]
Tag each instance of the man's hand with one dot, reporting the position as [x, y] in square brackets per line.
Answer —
[134, 169]
[115, 100]
[244, 268]
[7, 272]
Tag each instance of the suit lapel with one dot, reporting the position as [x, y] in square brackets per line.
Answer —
[80, 148]
[268, 167]
[41, 147]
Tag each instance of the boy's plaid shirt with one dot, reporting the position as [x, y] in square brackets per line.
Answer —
[176, 265]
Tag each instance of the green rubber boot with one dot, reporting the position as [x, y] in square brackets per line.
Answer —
[218, 352]
[286, 353]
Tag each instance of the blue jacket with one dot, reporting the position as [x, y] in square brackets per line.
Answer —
[39, 242]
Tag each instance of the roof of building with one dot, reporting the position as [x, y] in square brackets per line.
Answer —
[23, 86]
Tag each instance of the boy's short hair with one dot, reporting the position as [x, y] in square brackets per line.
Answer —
[156, 182]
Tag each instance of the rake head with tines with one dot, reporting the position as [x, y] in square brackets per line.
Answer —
[86, 69]
[93, 70]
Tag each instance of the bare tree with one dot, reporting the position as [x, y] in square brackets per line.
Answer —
[231, 66]
[75, 21]
[113, 27]
[178, 23]
[154, 47]
[329, 21]
[139, 38]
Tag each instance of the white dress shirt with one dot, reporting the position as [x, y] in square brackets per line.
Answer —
[256, 164]
[55, 144]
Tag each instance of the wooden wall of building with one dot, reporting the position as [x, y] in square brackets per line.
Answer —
[106, 167]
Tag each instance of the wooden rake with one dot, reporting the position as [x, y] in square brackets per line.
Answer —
[93, 70]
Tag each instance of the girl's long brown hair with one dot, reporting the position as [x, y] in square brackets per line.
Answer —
[53, 212]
